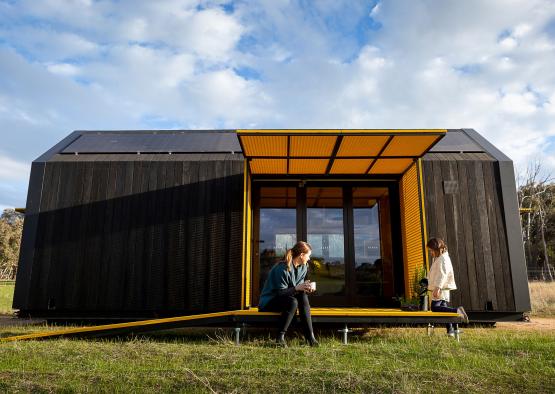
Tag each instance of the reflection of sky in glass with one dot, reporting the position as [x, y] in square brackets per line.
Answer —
[325, 233]
[336, 244]
[278, 229]
[367, 235]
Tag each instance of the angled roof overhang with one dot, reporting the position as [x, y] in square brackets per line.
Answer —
[335, 152]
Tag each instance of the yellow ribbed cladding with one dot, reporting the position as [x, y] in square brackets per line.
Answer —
[390, 166]
[361, 145]
[317, 145]
[308, 166]
[409, 145]
[350, 166]
[265, 145]
[268, 166]
[411, 228]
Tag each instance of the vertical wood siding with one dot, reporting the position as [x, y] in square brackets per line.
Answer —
[471, 222]
[145, 237]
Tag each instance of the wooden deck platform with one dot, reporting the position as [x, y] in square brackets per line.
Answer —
[240, 318]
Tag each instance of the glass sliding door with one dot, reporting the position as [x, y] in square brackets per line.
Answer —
[349, 228]
[277, 229]
[368, 262]
[325, 233]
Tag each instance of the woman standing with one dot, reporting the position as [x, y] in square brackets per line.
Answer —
[286, 290]
[441, 281]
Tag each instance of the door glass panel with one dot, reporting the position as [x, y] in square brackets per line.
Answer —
[278, 226]
[368, 254]
[325, 235]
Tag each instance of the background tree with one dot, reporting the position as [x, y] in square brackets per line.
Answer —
[536, 198]
[11, 227]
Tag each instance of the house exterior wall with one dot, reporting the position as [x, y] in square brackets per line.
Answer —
[464, 206]
[150, 236]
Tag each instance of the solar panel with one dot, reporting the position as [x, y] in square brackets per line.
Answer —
[155, 142]
[456, 141]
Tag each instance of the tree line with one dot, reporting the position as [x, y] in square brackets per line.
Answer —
[536, 200]
[11, 228]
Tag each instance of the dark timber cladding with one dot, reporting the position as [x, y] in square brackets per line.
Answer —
[462, 198]
[135, 235]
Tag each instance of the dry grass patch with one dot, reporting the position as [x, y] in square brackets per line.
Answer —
[542, 296]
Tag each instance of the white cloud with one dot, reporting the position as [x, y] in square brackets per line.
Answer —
[191, 64]
[64, 69]
[12, 169]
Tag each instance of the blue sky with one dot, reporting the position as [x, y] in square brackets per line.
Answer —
[83, 64]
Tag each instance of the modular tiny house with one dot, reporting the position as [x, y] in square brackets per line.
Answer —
[136, 224]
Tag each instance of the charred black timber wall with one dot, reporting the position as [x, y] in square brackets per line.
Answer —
[133, 236]
[464, 206]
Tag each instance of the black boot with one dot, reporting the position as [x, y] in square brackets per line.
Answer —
[312, 340]
[280, 339]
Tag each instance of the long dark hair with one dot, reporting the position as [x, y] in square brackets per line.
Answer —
[438, 245]
[295, 251]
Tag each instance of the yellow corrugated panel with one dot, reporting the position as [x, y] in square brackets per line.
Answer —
[288, 131]
[264, 145]
[316, 145]
[390, 166]
[308, 166]
[409, 145]
[411, 227]
[361, 145]
[350, 166]
[268, 166]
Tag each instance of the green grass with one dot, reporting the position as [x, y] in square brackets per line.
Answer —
[6, 296]
[380, 360]
[395, 360]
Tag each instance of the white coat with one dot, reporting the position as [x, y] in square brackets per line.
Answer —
[442, 276]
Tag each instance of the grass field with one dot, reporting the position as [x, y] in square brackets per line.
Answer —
[6, 296]
[542, 296]
[395, 360]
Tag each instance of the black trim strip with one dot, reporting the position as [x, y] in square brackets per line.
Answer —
[334, 153]
[379, 154]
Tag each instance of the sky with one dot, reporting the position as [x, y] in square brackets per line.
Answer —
[186, 64]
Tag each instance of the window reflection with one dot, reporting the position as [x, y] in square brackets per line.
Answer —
[368, 255]
[325, 235]
[278, 228]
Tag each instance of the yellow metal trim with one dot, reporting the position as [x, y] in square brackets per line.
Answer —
[106, 327]
[423, 210]
[353, 312]
[361, 312]
[248, 261]
[244, 251]
[338, 132]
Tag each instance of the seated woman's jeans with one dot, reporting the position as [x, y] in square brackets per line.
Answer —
[441, 306]
[287, 306]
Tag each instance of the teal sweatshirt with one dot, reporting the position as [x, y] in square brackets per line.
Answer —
[281, 282]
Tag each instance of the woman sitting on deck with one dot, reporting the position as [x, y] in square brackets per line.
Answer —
[286, 290]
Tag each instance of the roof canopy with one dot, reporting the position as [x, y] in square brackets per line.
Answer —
[335, 151]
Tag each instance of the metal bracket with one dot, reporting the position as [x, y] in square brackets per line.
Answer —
[345, 331]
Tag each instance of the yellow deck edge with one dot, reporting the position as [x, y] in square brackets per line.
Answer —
[332, 312]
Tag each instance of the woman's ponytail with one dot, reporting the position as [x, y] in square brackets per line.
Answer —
[295, 251]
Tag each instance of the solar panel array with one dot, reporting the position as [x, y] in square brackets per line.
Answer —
[155, 142]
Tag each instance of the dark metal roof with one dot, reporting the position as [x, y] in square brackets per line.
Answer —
[209, 141]
[456, 141]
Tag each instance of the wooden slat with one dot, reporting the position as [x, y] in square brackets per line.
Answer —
[484, 231]
[494, 236]
[502, 231]
[468, 238]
